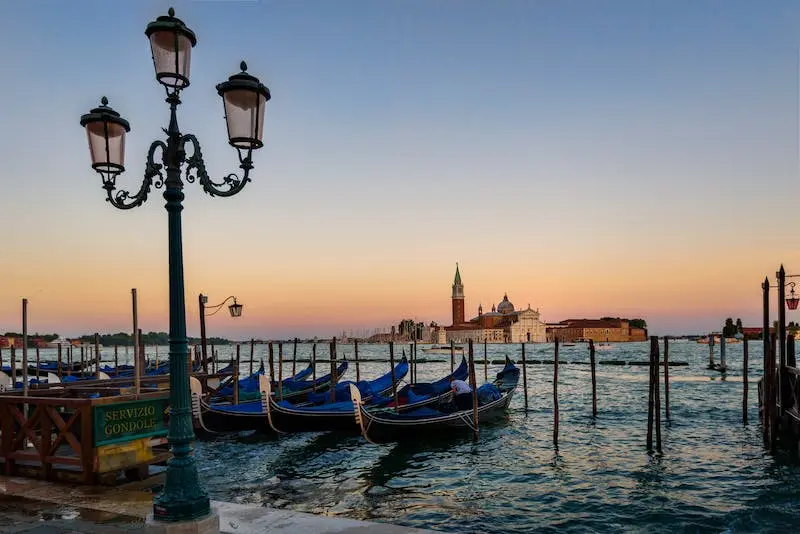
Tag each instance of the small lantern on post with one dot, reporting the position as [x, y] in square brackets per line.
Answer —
[235, 309]
[792, 300]
[171, 44]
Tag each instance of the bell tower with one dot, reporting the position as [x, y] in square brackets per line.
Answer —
[458, 299]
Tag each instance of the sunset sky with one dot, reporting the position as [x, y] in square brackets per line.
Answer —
[632, 158]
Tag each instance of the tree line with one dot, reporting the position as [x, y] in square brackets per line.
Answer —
[730, 329]
[120, 338]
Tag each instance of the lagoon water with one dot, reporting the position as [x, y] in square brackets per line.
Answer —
[713, 476]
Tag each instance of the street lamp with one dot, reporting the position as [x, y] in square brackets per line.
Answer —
[235, 310]
[792, 300]
[244, 98]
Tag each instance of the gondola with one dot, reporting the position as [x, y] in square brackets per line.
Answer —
[388, 425]
[126, 370]
[248, 387]
[368, 388]
[284, 417]
[217, 418]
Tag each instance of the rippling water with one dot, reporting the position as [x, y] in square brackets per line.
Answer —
[713, 475]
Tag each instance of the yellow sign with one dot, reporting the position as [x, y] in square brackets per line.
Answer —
[124, 455]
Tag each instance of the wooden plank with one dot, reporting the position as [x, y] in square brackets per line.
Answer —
[64, 432]
[87, 451]
[67, 460]
[46, 434]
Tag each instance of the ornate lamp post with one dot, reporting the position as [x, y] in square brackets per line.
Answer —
[235, 310]
[244, 98]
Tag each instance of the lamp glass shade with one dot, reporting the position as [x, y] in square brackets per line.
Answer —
[106, 145]
[792, 302]
[235, 309]
[172, 54]
[244, 114]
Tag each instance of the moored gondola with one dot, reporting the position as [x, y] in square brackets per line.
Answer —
[248, 387]
[212, 418]
[338, 416]
[389, 425]
[368, 388]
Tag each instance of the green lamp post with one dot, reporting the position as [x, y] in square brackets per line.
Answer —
[244, 98]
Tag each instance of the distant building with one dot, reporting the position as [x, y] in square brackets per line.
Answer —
[616, 330]
[504, 324]
[9, 341]
[754, 332]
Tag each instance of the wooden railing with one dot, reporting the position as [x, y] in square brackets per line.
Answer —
[49, 433]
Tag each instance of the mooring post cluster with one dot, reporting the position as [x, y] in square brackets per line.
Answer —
[654, 397]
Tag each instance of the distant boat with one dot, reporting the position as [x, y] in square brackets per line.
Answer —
[443, 349]
[604, 346]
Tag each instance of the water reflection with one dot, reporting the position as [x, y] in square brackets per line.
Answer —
[713, 475]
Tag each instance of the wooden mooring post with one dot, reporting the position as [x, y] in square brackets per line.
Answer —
[764, 398]
[334, 378]
[410, 361]
[486, 363]
[657, 385]
[789, 361]
[58, 364]
[650, 402]
[594, 378]
[271, 353]
[236, 377]
[25, 350]
[394, 378]
[413, 365]
[473, 385]
[97, 355]
[666, 377]
[555, 393]
[116, 360]
[773, 394]
[452, 356]
[294, 358]
[13, 366]
[355, 356]
[524, 377]
[252, 351]
[314, 367]
[744, 380]
[280, 371]
[37, 362]
[654, 396]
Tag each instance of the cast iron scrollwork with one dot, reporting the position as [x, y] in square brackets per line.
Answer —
[230, 184]
[123, 199]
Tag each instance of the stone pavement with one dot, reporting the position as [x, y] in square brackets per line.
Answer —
[36, 507]
[35, 517]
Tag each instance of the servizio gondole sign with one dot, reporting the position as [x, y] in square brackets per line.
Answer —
[128, 421]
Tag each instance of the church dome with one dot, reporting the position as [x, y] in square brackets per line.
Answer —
[505, 307]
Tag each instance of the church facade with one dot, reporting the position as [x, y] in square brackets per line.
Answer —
[504, 324]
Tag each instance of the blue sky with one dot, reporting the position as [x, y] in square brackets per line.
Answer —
[644, 152]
